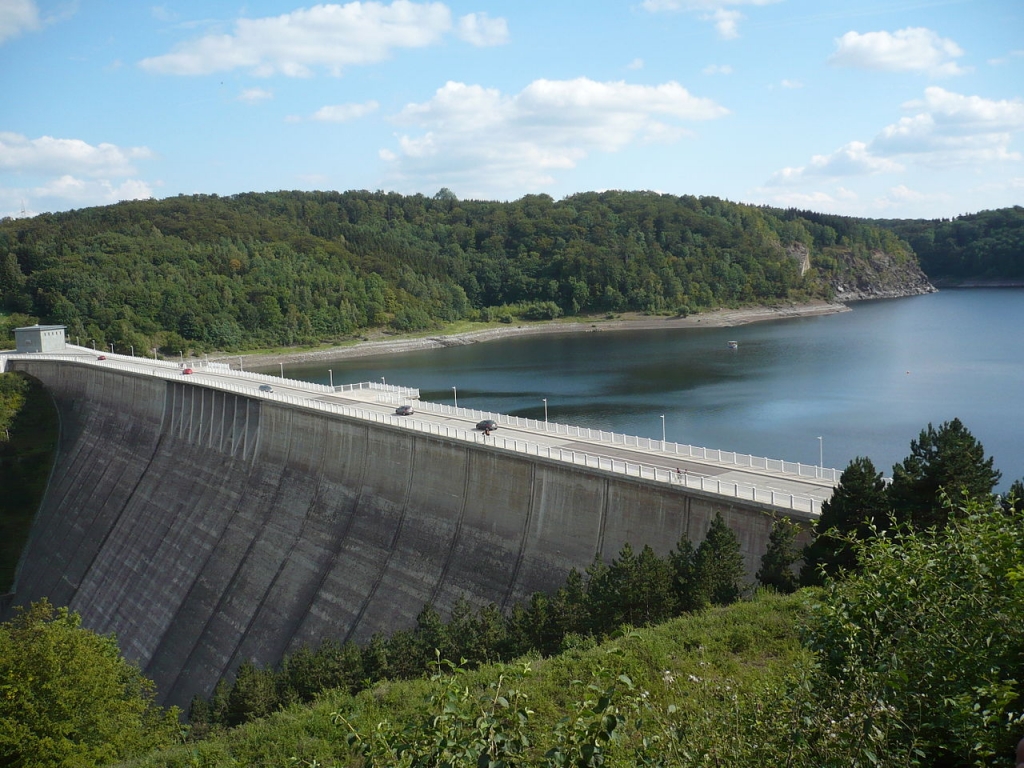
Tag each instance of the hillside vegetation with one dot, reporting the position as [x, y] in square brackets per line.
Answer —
[284, 268]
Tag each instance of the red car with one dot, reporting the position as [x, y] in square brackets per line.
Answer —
[102, 357]
[186, 371]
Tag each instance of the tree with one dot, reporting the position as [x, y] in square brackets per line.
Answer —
[777, 562]
[70, 698]
[857, 507]
[924, 643]
[718, 565]
[945, 460]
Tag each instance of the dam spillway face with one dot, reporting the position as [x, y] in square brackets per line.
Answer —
[205, 527]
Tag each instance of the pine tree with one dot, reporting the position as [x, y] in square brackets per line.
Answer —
[777, 562]
[857, 506]
[684, 584]
[948, 460]
[718, 565]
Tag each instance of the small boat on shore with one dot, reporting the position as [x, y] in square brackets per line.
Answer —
[734, 345]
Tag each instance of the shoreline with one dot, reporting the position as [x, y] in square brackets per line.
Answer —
[719, 318]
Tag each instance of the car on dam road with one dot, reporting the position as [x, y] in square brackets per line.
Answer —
[266, 388]
[487, 425]
[186, 371]
[404, 410]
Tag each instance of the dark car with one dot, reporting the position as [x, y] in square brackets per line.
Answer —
[266, 388]
[102, 357]
[404, 410]
[487, 425]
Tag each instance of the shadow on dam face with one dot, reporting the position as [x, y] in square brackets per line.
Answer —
[205, 528]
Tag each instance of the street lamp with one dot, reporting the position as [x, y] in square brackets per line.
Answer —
[545, 410]
[93, 344]
[331, 374]
[111, 347]
[821, 453]
[455, 394]
[663, 431]
[382, 381]
[132, 348]
[282, 369]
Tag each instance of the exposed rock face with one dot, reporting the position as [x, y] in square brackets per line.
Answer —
[878, 276]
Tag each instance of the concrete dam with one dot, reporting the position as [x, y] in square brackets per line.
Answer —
[206, 527]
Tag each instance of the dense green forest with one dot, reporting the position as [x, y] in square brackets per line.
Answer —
[983, 246]
[283, 268]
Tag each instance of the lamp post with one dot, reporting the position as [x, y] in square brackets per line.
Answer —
[93, 344]
[455, 395]
[111, 347]
[663, 431]
[331, 374]
[282, 369]
[821, 453]
[132, 348]
[545, 411]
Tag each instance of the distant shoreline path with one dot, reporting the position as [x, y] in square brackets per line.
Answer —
[382, 345]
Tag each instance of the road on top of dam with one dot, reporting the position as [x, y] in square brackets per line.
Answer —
[786, 480]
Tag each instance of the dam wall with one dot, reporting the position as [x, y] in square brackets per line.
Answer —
[205, 527]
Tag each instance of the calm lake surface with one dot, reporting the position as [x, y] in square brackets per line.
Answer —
[867, 381]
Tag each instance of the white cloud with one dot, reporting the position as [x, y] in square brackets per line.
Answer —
[255, 95]
[852, 159]
[481, 30]
[57, 172]
[479, 137]
[719, 12]
[952, 129]
[17, 16]
[635, 64]
[791, 84]
[67, 156]
[948, 129]
[914, 49]
[717, 69]
[341, 113]
[330, 36]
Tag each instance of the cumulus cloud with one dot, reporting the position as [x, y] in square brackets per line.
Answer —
[255, 95]
[74, 156]
[914, 49]
[481, 30]
[342, 113]
[330, 36]
[17, 16]
[480, 137]
[55, 172]
[946, 129]
[721, 13]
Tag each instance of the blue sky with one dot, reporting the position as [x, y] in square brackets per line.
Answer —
[876, 108]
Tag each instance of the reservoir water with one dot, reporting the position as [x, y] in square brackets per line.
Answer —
[866, 381]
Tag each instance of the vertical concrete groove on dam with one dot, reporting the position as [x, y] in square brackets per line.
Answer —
[205, 527]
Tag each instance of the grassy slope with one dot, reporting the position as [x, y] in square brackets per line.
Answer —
[703, 665]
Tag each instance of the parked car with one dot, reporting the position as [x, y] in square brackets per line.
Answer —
[404, 410]
[487, 425]
[186, 371]
[266, 388]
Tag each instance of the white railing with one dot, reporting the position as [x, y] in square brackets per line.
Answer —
[580, 458]
[712, 455]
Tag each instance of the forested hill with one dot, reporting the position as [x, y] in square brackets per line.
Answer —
[254, 270]
[985, 246]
